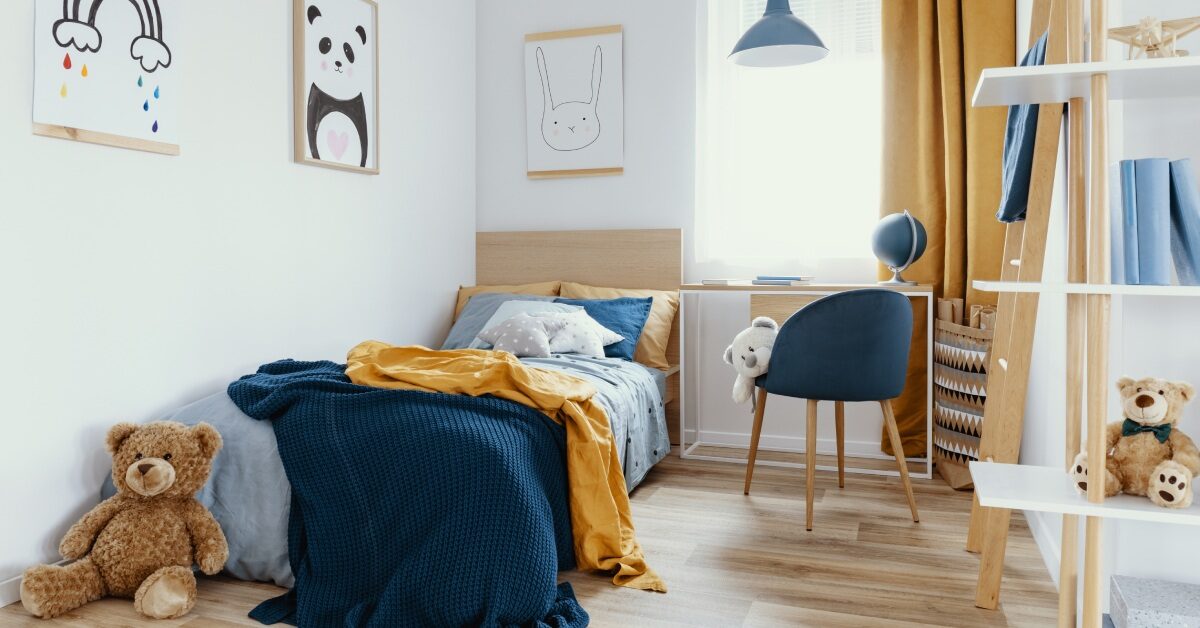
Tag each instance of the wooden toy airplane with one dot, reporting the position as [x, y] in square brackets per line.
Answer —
[1154, 38]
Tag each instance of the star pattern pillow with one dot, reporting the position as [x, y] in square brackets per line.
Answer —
[523, 335]
[580, 334]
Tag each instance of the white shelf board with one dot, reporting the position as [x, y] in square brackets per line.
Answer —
[1177, 77]
[1049, 489]
[1086, 288]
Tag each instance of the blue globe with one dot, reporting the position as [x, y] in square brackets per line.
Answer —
[893, 241]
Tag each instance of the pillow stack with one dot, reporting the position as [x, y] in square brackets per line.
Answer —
[629, 324]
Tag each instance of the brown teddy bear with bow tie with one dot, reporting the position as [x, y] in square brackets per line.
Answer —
[1147, 454]
[140, 543]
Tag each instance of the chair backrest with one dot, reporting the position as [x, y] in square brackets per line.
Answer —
[850, 346]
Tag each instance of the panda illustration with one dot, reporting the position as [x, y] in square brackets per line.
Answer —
[336, 108]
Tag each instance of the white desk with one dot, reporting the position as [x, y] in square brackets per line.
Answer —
[687, 451]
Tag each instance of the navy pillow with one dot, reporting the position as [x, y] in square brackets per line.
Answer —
[626, 316]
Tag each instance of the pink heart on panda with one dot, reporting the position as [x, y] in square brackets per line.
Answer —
[338, 143]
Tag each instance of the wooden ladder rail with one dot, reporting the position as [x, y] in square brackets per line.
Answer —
[1012, 348]
[1068, 566]
[1098, 320]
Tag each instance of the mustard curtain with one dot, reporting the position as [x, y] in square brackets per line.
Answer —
[941, 158]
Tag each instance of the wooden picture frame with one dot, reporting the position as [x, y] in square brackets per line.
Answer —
[329, 39]
[109, 77]
[574, 103]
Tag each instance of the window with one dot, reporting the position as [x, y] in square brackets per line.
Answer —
[788, 159]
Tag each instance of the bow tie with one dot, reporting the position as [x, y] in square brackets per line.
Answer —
[1161, 432]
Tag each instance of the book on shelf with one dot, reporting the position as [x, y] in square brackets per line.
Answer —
[1116, 209]
[1155, 222]
[724, 282]
[1129, 231]
[1153, 197]
[1185, 222]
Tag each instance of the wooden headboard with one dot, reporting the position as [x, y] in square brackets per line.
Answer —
[633, 258]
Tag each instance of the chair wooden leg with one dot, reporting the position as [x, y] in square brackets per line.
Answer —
[754, 434]
[810, 461]
[898, 449]
[839, 413]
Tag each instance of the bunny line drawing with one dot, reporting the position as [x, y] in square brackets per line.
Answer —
[570, 125]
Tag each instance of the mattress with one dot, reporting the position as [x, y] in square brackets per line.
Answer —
[249, 494]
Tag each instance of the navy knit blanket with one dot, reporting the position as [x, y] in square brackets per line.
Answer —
[413, 508]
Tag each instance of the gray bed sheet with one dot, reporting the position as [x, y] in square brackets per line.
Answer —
[249, 494]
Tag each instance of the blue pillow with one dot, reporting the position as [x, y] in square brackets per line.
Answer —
[475, 315]
[626, 316]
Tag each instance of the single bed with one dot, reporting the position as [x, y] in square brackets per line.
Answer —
[250, 495]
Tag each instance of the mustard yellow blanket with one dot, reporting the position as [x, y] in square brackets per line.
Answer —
[600, 513]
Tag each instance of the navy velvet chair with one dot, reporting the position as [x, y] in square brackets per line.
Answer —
[851, 346]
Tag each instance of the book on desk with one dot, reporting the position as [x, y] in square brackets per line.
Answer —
[762, 280]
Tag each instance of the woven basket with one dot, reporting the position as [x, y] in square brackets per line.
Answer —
[961, 357]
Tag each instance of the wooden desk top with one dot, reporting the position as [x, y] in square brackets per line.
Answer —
[811, 287]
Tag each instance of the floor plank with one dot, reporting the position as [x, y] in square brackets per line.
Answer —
[735, 560]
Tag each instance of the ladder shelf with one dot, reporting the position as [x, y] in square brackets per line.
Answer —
[1049, 489]
[1086, 288]
[1177, 77]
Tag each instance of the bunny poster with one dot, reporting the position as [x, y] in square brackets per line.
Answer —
[107, 72]
[336, 69]
[574, 103]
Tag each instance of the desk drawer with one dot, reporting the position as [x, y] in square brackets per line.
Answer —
[778, 306]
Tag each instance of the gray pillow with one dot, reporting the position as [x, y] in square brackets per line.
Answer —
[477, 312]
[523, 335]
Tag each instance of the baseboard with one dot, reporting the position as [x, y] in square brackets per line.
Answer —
[793, 444]
[1048, 539]
[10, 590]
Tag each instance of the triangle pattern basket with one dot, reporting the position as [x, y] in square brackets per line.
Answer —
[961, 357]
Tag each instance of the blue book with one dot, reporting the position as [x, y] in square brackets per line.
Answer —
[1129, 226]
[1185, 222]
[1153, 220]
[1116, 224]
[784, 277]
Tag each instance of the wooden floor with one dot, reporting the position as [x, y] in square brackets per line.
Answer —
[732, 560]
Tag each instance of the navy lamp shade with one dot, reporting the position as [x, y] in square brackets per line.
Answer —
[778, 39]
[898, 241]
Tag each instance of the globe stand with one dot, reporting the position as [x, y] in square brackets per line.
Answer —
[897, 279]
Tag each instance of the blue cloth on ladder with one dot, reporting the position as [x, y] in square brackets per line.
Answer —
[1019, 139]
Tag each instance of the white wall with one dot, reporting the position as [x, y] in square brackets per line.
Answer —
[133, 283]
[656, 190]
[1150, 336]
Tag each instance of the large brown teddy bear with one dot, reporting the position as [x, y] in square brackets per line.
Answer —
[1147, 454]
[141, 542]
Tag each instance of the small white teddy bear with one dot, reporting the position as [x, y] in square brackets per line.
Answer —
[750, 354]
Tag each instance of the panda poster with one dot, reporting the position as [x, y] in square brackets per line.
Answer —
[108, 72]
[336, 67]
[574, 103]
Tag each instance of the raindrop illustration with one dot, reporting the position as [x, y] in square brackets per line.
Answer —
[84, 71]
[156, 91]
[67, 61]
[155, 127]
[63, 92]
[146, 106]
[139, 81]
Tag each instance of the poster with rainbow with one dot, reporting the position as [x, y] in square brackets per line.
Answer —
[107, 72]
